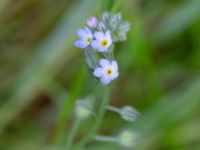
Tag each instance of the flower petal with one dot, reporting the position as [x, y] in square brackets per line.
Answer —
[98, 72]
[108, 36]
[99, 35]
[84, 33]
[105, 80]
[81, 44]
[81, 33]
[104, 62]
[102, 49]
[115, 75]
[114, 65]
[89, 33]
[95, 45]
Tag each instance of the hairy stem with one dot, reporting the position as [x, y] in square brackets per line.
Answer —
[113, 109]
[101, 138]
[72, 134]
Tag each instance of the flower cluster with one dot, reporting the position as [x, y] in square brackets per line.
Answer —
[98, 39]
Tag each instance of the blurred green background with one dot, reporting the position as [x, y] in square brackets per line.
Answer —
[42, 74]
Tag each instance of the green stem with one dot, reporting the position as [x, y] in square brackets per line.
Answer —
[98, 121]
[101, 138]
[72, 134]
[105, 102]
[113, 109]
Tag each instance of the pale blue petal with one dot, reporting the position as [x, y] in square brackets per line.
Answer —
[98, 72]
[95, 45]
[81, 33]
[115, 75]
[105, 80]
[114, 65]
[110, 42]
[104, 62]
[84, 33]
[81, 44]
[108, 36]
[101, 48]
[89, 33]
[99, 35]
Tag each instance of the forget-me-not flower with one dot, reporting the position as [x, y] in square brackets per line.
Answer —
[85, 38]
[98, 40]
[102, 41]
[107, 72]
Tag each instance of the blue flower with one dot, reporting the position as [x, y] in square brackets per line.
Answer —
[85, 36]
[107, 72]
[102, 41]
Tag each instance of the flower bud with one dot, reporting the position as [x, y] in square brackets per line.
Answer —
[124, 26]
[105, 17]
[92, 22]
[102, 26]
[81, 110]
[115, 21]
[128, 113]
[127, 138]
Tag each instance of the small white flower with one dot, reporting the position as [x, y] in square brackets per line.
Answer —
[85, 38]
[107, 72]
[92, 22]
[102, 42]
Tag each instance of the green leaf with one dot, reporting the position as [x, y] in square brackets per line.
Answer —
[91, 57]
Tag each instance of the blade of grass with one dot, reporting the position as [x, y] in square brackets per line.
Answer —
[53, 49]
[175, 108]
[68, 106]
[177, 21]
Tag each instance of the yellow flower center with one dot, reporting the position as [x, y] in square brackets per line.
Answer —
[109, 71]
[88, 40]
[104, 43]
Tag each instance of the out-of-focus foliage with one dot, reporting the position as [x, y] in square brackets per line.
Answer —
[42, 74]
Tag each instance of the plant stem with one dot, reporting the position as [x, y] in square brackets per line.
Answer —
[113, 109]
[72, 133]
[105, 138]
[98, 121]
